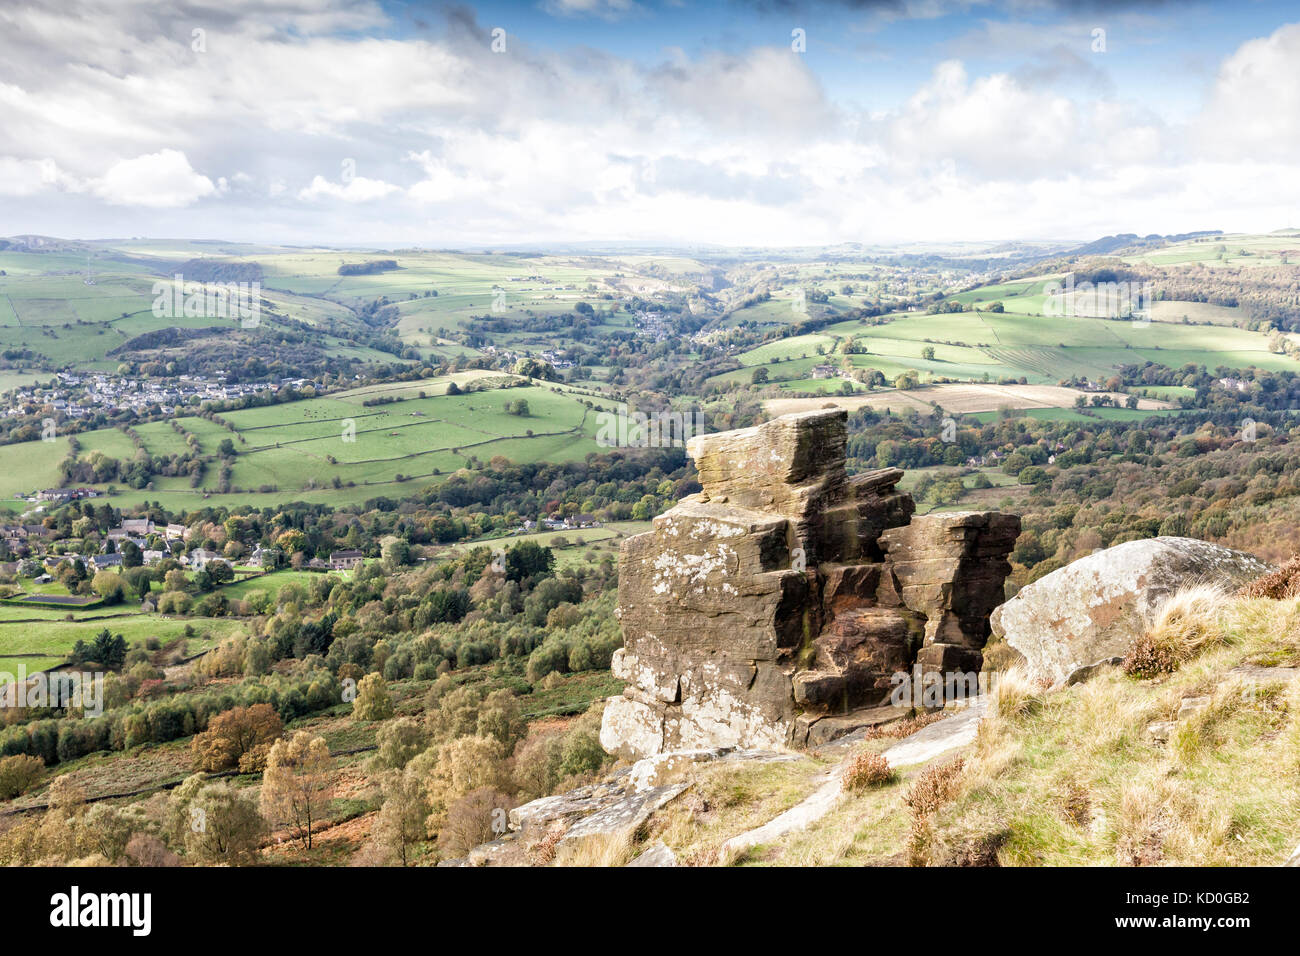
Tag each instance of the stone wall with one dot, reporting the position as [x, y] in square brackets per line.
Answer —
[773, 608]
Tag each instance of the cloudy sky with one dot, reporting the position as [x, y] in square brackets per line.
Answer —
[778, 122]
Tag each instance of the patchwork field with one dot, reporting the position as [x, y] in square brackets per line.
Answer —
[348, 446]
[959, 399]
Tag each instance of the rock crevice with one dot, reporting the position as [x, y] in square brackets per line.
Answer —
[787, 595]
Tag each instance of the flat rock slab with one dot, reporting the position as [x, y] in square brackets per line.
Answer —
[658, 855]
[1265, 675]
[939, 737]
[570, 806]
[626, 814]
[799, 817]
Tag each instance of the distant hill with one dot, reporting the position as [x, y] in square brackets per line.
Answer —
[1131, 240]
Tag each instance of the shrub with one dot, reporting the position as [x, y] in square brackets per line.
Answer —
[1280, 584]
[867, 769]
[18, 774]
[933, 788]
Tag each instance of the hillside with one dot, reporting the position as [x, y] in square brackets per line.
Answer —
[1066, 777]
[354, 444]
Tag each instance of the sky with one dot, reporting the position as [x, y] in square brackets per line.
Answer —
[663, 122]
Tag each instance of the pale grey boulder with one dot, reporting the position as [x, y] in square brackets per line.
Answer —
[1095, 608]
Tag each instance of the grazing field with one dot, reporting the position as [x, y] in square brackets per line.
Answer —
[39, 647]
[80, 315]
[348, 446]
[958, 399]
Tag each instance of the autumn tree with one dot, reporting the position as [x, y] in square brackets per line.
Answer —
[296, 787]
[373, 700]
[18, 773]
[477, 817]
[215, 822]
[456, 768]
[237, 734]
[399, 741]
[403, 816]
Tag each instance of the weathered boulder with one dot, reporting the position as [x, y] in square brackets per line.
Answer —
[787, 593]
[1093, 609]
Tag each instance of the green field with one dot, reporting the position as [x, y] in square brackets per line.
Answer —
[39, 647]
[299, 450]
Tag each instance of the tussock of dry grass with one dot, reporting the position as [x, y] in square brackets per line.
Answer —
[1016, 694]
[598, 849]
[1181, 627]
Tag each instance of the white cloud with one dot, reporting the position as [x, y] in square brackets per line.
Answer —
[159, 180]
[26, 177]
[356, 189]
[1254, 109]
[740, 145]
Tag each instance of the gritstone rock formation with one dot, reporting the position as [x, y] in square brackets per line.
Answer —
[775, 607]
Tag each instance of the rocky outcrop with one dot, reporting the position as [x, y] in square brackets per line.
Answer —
[1093, 609]
[770, 608]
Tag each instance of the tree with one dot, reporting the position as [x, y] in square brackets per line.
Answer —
[234, 734]
[107, 650]
[927, 353]
[465, 764]
[402, 818]
[759, 377]
[215, 822]
[106, 831]
[296, 787]
[396, 553]
[473, 819]
[108, 585]
[373, 701]
[399, 742]
[219, 572]
[528, 559]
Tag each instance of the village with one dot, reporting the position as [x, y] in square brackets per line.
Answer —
[76, 396]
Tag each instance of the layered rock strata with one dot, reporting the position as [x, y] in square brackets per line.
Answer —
[775, 607]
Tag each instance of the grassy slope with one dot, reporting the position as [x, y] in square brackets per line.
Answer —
[1075, 778]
